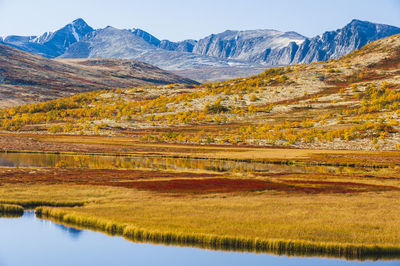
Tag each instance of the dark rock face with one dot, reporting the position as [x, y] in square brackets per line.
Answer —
[334, 44]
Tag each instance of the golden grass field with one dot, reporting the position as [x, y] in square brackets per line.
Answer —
[366, 219]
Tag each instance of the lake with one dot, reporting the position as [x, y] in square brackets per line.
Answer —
[29, 240]
[159, 163]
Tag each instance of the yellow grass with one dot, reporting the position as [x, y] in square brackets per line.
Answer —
[337, 220]
[9, 209]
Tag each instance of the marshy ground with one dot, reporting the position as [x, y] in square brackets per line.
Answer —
[321, 197]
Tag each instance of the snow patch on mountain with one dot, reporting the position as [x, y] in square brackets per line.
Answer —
[77, 38]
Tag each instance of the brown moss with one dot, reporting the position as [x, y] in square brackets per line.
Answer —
[86, 176]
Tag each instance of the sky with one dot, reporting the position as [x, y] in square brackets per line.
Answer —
[194, 19]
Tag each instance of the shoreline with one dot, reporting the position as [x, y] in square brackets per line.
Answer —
[228, 243]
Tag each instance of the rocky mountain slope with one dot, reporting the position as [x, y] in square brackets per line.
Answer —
[251, 45]
[27, 78]
[115, 43]
[270, 47]
[334, 44]
[283, 48]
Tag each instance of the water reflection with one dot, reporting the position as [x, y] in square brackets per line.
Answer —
[72, 232]
[31, 241]
[157, 163]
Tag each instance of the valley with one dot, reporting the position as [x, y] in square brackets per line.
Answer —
[299, 159]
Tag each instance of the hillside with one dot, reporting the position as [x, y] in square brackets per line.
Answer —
[28, 78]
[349, 103]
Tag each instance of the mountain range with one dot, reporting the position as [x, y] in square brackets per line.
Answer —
[237, 49]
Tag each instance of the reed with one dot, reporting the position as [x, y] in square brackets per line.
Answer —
[11, 210]
[275, 246]
[31, 204]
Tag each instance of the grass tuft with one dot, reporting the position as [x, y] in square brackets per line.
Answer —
[11, 210]
[275, 246]
[31, 204]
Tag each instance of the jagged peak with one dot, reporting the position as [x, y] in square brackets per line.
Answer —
[80, 23]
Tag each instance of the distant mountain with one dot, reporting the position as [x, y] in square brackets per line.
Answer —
[248, 45]
[108, 43]
[334, 44]
[52, 44]
[139, 45]
[271, 47]
[248, 49]
[27, 78]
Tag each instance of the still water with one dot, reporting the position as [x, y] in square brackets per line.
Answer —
[32, 241]
[158, 163]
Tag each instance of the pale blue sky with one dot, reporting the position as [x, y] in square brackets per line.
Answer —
[178, 20]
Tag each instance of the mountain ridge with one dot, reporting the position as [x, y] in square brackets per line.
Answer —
[250, 49]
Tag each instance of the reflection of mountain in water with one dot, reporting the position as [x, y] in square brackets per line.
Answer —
[72, 232]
